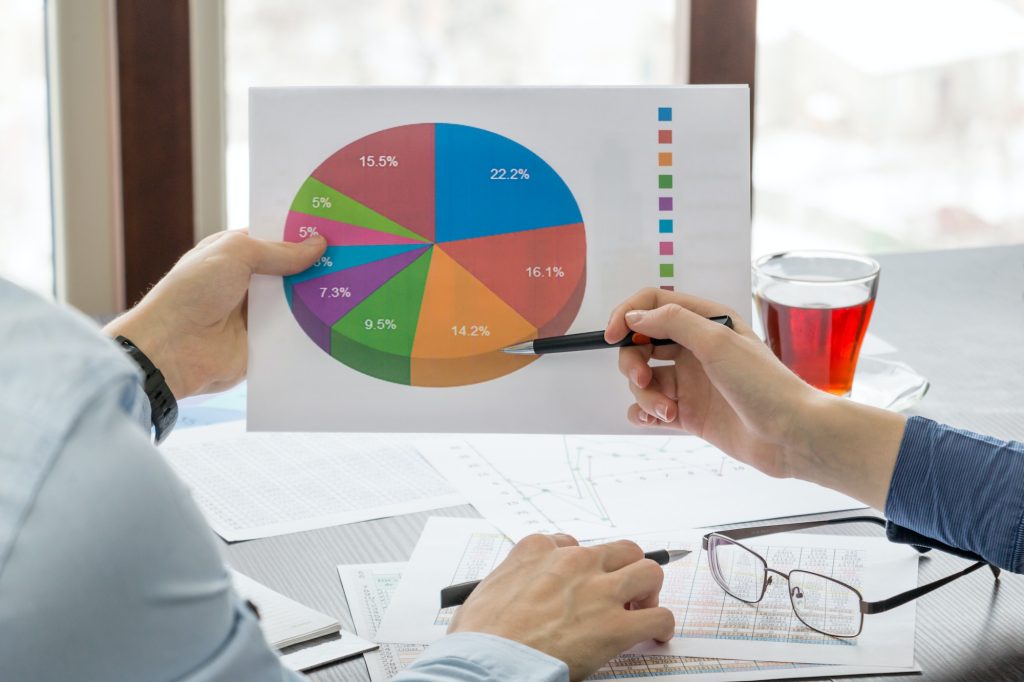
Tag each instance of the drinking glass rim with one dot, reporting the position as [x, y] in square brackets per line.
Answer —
[811, 253]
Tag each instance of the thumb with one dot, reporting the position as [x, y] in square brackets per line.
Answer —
[690, 330]
[286, 258]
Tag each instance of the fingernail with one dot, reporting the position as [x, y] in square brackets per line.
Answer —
[634, 377]
[314, 239]
[662, 412]
[643, 416]
[634, 316]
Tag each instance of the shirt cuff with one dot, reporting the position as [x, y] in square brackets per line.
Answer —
[962, 489]
[470, 656]
[135, 402]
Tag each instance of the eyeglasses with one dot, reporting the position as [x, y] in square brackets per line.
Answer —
[822, 603]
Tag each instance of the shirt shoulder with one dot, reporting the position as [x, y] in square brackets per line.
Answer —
[101, 548]
[54, 364]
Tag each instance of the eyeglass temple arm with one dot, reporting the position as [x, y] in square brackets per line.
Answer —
[758, 531]
[910, 595]
[894, 532]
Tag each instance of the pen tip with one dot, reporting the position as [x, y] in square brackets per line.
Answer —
[524, 348]
[674, 554]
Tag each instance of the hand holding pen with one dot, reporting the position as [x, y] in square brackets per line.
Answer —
[594, 341]
[725, 386]
[618, 335]
[567, 601]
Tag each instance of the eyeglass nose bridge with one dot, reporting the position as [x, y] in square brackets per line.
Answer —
[768, 579]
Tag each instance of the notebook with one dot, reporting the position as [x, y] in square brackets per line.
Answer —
[284, 621]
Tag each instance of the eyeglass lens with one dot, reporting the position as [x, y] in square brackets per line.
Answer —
[824, 604]
[736, 569]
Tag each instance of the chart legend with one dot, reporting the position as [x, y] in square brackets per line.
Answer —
[666, 202]
[446, 243]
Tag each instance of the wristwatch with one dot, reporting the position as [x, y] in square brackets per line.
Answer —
[162, 405]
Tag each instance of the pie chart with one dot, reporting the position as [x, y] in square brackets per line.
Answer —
[446, 243]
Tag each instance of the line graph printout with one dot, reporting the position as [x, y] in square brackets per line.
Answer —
[370, 587]
[710, 623]
[601, 486]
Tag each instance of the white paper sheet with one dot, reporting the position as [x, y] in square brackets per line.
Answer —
[368, 590]
[603, 144]
[710, 623]
[321, 652]
[599, 486]
[370, 587]
[253, 485]
[306, 638]
[215, 408]
[284, 621]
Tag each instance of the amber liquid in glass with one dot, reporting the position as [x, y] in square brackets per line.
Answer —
[820, 345]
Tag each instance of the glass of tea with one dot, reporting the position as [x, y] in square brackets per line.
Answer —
[815, 307]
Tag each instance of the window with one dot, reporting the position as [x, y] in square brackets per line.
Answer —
[889, 125]
[26, 232]
[443, 42]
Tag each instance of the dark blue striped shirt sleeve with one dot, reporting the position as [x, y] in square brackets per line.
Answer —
[961, 488]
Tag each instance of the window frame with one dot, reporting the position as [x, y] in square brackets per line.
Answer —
[85, 168]
[161, 67]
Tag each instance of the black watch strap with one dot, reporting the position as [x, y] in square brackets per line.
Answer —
[162, 405]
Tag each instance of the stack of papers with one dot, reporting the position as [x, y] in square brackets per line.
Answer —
[397, 605]
[368, 589]
[252, 485]
[286, 623]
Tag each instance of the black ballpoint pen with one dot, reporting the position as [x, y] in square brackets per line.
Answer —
[592, 341]
[455, 595]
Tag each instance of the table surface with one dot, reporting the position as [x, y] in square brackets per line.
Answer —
[957, 317]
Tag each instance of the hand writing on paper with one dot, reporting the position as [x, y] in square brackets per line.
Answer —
[567, 601]
[193, 323]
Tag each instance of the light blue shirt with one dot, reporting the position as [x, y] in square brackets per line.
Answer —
[108, 571]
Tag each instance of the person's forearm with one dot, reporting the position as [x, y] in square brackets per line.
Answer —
[847, 447]
[959, 488]
[149, 337]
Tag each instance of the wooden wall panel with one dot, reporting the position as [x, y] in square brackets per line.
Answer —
[156, 138]
[723, 41]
